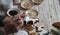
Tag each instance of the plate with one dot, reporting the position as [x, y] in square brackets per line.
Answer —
[17, 1]
[32, 13]
[37, 1]
[26, 5]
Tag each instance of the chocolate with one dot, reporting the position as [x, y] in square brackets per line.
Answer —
[12, 13]
[29, 23]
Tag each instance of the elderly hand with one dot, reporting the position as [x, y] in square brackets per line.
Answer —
[13, 24]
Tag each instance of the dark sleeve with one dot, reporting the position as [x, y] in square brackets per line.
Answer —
[1, 20]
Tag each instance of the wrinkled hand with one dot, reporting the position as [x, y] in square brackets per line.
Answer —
[14, 23]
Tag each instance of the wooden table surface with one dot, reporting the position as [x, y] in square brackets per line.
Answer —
[48, 13]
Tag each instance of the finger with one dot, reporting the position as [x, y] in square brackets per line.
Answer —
[7, 19]
[22, 15]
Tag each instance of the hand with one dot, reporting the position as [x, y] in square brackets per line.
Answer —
[13, 23]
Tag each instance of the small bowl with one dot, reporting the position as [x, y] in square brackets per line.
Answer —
[37, 1]
[13, 11]
[32, 13]
[26, 5]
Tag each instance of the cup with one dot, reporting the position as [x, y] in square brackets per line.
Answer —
[13, 11]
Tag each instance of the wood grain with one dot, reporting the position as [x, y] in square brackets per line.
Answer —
[49, 12]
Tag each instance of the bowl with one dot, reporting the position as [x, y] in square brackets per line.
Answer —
[32, 13]
[26, 5]
[13, 11]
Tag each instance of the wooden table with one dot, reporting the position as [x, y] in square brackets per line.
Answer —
[48, 13]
